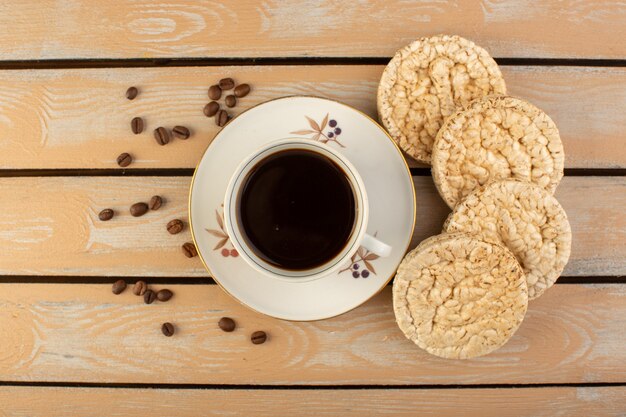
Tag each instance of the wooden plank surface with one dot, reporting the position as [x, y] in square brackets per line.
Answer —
[527, 402]
[79, 118]
[49, 29]
[50, 226]
[84, 333]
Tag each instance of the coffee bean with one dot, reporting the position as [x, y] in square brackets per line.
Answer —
[175, 226]
[162, 136]
[226, 83]
[136, 125]
[230, 100]
[155, 202]
[164, 295]
[211, 108]
[140, 288]
[242, 90]
[258, 337]
[221, 118]
[106, 215]
[189, 249]
[227, 324]
[168, 329]
[215, 92]
[138, 209]
[181, 132]
[124, 160]
[131, 93]
[118, 286]
[149, 296]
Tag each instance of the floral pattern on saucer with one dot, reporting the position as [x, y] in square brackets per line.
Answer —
[361, 263]
[224, 239]
[365, 143]
[318, 133]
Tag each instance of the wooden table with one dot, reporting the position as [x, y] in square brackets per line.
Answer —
[69, 347]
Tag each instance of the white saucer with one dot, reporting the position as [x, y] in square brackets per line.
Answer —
[368, 147]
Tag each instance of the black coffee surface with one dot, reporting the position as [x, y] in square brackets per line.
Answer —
[297, 209]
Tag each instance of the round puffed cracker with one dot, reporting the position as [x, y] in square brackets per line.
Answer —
[495, 138]
[427, 81]
[526, 219]
[459, 297]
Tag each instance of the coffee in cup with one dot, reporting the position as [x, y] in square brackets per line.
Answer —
[297, 210]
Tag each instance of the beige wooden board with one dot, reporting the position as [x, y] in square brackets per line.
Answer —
[84, 333]
[50, 226]
[505, 402]
[49, 29]
[79, 118]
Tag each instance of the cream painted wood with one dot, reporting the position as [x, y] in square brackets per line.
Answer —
[50, 226]
[84, 333]
[48, 29]
[125, 402]
[80, 118]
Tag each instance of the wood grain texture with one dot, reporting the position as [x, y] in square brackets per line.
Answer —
[509, 402]
[84, 333]
[49, 29]
[50, 226]
[79, 118]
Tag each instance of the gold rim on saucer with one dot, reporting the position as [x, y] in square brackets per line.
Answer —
[193, 178]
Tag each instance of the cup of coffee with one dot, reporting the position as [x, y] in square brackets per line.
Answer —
[297, 210]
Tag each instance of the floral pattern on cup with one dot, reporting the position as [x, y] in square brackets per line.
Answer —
[319, 131]
[224, 239]
[361, 265]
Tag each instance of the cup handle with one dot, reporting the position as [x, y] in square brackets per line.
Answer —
[376, 246]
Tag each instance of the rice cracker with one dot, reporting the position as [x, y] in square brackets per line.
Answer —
[457, 296]
[427, 81]
[526, 219]
[496, 138]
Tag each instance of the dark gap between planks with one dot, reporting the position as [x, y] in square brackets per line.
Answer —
[238, 61]
[67, 279]
[185, 62]
[185, 386]
[188, 172]
[185, 172]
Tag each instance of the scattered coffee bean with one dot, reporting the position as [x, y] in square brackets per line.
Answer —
[140, 288]
[138, 209]
[164, 295]
[226, 83]
[124, 160]
[118, 286]
[189, 249]
[230, 100]
[181, 132]
[258, 337]
[211, 108]
[131, 93]
[175, 226]
[242, 90]
[162, 136]
[149, 296]
[215, 92]
[221, 118]
[106, 215]
[168, 329]
[227, 324]
[155, 202]
[136, 125]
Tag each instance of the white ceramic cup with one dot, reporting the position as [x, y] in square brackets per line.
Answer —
[359, 236]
